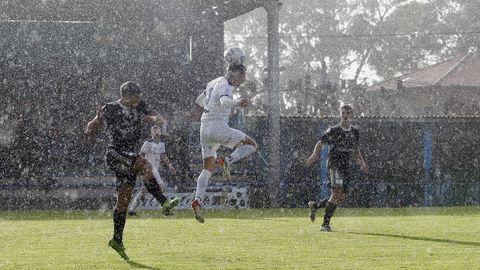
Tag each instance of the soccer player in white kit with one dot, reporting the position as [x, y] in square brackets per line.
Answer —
[154, 151]
[217, 102]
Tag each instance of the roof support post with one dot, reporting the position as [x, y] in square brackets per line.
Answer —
[273, 114]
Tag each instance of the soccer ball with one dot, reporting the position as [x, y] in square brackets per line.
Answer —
[234, 55]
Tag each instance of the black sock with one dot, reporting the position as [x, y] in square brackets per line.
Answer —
[322, 203]
[329, 210]
[154, 189]
[119, 219]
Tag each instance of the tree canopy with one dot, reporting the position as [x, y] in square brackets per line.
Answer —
[359, 41]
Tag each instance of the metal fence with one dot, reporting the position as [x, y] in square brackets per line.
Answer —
[413, 161]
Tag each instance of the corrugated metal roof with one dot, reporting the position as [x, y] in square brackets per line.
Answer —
[461, 70]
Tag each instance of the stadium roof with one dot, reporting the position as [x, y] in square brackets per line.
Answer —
[92, 10]
[461, 70]
[225, 10]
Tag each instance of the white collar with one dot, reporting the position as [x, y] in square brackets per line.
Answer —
[346, 129]
[121, 105]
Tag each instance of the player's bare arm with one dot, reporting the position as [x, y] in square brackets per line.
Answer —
[154, 118]
[196, 112]
[361, 161]
[315, 154]
[200, 100]
[198, 107]
[167, 162]
[94, 126]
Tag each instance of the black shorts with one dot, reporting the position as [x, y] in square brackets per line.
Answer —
[339, 177]
[122, 163]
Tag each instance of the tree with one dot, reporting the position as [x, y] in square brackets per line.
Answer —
[357, 40]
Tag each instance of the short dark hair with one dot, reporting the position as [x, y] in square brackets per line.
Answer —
[130, 89]
[237, 68]
[346, 107]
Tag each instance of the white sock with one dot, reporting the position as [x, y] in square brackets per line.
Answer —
[136, 201]
[202, 183]
[241, 152]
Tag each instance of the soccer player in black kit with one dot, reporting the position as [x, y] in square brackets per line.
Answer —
[343, 139]
[123, 120]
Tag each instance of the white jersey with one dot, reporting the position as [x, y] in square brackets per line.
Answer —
[152, 151]
[213, 109]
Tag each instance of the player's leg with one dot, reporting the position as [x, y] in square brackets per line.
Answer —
[243, 144]
[137, 200]
[314, 207]
[124, 193]
[144, 167]
[246, 147]
[209, 154]
[335, 199]
[338, 190]
[159, 179]
[121, 163]
[163, 188]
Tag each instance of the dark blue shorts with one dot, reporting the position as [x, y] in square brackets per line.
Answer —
[122, 163]
[339, 177]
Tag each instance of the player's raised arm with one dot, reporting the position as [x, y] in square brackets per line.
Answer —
[94, 126]
[315, 154]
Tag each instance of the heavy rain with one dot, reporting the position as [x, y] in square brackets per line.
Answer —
[239, 134]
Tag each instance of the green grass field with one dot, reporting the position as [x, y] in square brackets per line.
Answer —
[403, 238]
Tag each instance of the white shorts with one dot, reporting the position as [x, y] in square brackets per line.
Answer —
[213, 135]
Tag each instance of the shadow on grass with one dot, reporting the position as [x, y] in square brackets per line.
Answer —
[141, 265]
[418, 238]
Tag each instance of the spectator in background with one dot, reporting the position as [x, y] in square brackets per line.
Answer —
[154, 151]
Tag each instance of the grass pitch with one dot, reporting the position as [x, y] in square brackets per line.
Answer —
[402, 238]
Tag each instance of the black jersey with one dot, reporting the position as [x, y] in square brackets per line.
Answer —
[342, 143]
[124, 125]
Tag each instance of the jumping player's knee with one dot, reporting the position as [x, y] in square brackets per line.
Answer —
[254, 144]
[249, 141]
[208, 163]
